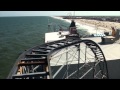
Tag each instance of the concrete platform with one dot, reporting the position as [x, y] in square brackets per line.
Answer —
[53, 36]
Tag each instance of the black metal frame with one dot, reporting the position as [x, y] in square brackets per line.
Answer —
[47, 56]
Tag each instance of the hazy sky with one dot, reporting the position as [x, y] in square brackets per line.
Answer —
[59, 13]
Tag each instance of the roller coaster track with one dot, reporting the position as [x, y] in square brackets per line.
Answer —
[35, 63]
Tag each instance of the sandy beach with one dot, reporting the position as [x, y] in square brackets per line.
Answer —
[93, 25]
[100, 24]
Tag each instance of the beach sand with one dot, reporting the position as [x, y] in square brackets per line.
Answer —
[94, 25]
[100, 24]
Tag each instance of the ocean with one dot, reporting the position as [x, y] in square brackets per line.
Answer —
[20, 33]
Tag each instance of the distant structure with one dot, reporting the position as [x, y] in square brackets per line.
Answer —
[100, 18]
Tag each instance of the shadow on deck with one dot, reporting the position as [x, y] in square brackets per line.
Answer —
[113, 70]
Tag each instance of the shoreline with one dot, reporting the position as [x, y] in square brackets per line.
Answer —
[93, 26]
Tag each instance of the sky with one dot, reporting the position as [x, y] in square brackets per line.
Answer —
[59, 13]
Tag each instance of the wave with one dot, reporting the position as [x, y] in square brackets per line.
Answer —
[89, 29]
